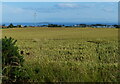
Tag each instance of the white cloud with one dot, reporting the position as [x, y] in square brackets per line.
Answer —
[9, 9]
[108, 9]
[75, 5]
[67, 5]
[13, 10]
[16, 14]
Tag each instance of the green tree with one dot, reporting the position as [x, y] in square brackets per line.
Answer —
[12, 62]
[11, 26]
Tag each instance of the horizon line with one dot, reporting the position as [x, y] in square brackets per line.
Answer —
[58, 23]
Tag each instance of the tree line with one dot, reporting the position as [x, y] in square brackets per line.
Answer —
[56, 25]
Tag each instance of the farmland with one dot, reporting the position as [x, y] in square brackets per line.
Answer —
[68, 54]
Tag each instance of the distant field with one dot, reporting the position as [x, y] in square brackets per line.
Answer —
[61, 33]
[68, 54]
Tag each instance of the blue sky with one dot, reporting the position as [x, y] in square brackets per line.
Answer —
[73, 12]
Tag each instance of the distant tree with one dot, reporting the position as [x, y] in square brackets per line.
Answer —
[11, 26]
[54, 25]
[83, 25]
[25, 26]
[116, 26]
[18, 25]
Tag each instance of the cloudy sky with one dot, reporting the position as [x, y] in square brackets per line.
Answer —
[74, 12]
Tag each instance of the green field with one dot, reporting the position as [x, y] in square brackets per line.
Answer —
[68, 54]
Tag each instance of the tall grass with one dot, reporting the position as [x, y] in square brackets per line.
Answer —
[68, 55]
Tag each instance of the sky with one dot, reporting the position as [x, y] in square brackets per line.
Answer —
[71, 12]
[60, 0]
